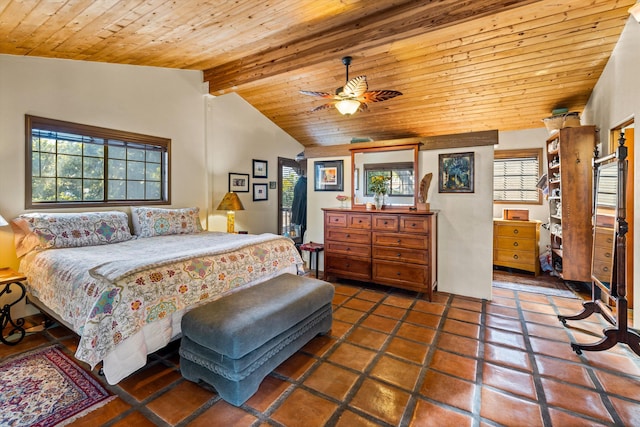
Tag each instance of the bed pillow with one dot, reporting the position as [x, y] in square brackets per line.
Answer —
[37, 231]
[149, 222]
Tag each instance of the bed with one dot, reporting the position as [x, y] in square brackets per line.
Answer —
[124, 294]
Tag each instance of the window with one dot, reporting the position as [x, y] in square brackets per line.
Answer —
[515, 176]
[69, 165]
[400, 177]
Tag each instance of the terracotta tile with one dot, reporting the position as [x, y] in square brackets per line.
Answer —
[351, 419]
[461, 328]
[331, 380]
[510, 380]
[416, 333]
[429, 307]
[423, 319]
[370, 295]
[440, 297]
[179, 402]
[295, 366]
[504, 301]
[271, 388]
[494, 404]
[352, 356]
[304, 409]
[452, 364]
[553, 348]
[427, 414]
[223, 414]
[359, 304]
[562, 418]
[382, 401]
[567, 306]
[457, 344]
[406, 349]
[103, 414]
[539, 308]
[563, 371]
[535, 298]
[576, 399]
[472, 304]
[464, 315]
[149, 380]
[134, 419]
[347, 315]
[611, 360]
[502, 293]
[552, 332]
[544, 319]
[628, 411]
[497, 336]
[339, 329]
[505, 323]
[319, 345]
[346, 290]
[339, 299]
[383, 324]
[622, 385]
[390, 311]
[396, 372]
[367, 338]
[507, 356]
[449, 390]
[399, 301]
[497, 309]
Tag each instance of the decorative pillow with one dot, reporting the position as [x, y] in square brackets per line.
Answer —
[36, 231]
[149, 222]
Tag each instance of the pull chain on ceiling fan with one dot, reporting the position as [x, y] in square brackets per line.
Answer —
[353, 96]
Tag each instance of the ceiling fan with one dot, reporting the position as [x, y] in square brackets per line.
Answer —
[353, 96]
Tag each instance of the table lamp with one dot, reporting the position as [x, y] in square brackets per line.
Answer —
[231, 203]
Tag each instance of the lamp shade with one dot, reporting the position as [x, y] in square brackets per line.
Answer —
[230, 202]
[347, 106]
[3, 221]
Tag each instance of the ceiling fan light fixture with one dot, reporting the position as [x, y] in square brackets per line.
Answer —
[346, 107]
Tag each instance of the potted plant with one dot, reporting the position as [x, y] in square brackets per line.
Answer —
[378, 185]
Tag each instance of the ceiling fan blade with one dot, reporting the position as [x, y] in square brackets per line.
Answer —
[320, 94]
[355, 87]
[323, 107]
[379, 95]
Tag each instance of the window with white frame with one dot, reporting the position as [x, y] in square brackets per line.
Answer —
[515, 176]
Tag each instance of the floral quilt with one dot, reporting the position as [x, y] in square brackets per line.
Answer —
[108, 293]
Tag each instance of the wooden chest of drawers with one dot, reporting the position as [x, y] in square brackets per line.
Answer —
[390, 247]
[516, 244]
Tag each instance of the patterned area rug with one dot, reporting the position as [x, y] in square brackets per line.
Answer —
[46, 388]
[566, 293]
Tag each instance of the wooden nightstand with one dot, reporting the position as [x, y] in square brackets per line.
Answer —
[9, 278]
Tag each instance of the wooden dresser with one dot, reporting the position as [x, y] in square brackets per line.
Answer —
[516, 244]
[389, 247]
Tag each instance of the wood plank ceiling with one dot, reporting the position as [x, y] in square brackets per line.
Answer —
[462, 66]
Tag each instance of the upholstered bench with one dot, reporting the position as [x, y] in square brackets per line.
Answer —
[233, 343]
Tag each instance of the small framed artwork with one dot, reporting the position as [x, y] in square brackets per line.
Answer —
[260, 192]
[272, 185]
[238, 182]
[259, 168]
[455, 173]
[329, 176]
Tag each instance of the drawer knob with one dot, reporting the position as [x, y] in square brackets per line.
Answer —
[413, 224]
[515, 243]
[348, 235]
[605, 269]
[608, 255]
[348, 249]
[515, 231]
[398, 273]
[359, 221]
[399, 255]
[385, 223]
[399, 241]
[515, 256]
[336, 220]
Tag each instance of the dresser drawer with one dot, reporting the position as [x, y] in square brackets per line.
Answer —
[409, 241]
[386, 222]
[510, 258]
[414, 224]
[360, 221]
[414, 256]
[514, 230]
[398, 273]
[347, 235]
[335, 219]
[348, 248]
[354, 268]
[515, 243]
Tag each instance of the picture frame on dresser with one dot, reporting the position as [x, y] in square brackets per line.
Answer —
[456, 172]
[329, 175]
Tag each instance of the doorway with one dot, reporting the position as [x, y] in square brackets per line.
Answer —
[292, 198]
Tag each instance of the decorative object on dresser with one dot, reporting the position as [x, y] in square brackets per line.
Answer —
[569, 152]
[516, 244]
[231, 203]
[394, 247]
[423, 192]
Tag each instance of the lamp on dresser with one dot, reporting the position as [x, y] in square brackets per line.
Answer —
[231, 203]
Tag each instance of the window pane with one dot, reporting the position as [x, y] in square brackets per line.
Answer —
[515, 178]
[94, 150]
[93, 189]
[117, 190]
[68, 147]
[117, 153]
[43, 189]
[153, 172]
[47, 145]
[135, 190]
[93, 167]
[135, 170]
[153, 156]
[69, 189]
[48, 165]
[69, 166]
[117, 169]
[135, 154]
[153, 190]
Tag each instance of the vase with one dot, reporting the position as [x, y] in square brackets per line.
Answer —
[378, 200]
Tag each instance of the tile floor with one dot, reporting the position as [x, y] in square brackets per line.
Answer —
[393, 359]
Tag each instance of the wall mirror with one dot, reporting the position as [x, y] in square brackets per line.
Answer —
[398, 162]
[605, 211]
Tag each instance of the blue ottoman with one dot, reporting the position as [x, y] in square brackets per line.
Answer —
[233, 343]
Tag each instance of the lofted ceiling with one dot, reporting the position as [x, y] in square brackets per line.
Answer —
[462, 66]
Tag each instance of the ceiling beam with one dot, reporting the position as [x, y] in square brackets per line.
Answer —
[384, 27]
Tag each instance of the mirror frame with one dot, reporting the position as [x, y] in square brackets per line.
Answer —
[608, 163]
[413, 146]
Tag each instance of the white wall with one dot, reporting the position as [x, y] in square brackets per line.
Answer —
[237, 133]
[615, 98]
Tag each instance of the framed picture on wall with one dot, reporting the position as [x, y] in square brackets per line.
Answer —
[260, 168]
[260, 192]
[238, 182]
[329, 176]
[455, 173]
